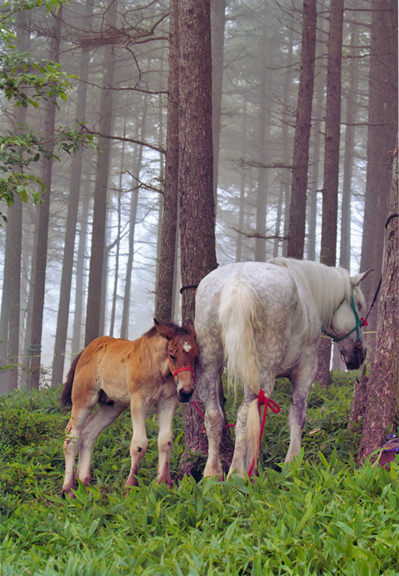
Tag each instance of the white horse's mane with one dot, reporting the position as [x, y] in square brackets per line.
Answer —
[328, 286]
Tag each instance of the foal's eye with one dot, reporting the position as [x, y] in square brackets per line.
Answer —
[172, 357]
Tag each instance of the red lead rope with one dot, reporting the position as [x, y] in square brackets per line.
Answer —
[263, 400]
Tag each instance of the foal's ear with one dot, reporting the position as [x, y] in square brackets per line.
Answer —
[190, 329]
[165, 329]
[355, 280]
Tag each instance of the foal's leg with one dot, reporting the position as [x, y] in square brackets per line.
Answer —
[166, 412]
[72, 443]
[100, 419]
[139, 443]
[301, 381]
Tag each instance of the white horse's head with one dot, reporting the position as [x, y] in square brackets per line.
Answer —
[347, 325]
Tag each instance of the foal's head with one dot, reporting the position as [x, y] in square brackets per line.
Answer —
[182, 354]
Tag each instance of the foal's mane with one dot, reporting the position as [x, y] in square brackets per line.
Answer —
[328, 285]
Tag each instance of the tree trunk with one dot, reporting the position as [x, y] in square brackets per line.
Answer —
[297, 211]
[382, 132]
[263, 137]
[197, 208]
[350, 130]
[96, 280]
[196, 199]
[70, 230]
[167, 252]
[382, 402]
[39, 279]
[331, 163]
[132, 227]
[76, 343]
[218, 8]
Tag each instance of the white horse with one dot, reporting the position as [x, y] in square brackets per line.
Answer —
[265, 320]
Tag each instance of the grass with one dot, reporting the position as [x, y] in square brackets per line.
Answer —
[319, 515]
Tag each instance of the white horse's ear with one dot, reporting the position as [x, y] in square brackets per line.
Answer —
[355, 280]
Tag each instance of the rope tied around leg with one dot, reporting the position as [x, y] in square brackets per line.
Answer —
[267, 402]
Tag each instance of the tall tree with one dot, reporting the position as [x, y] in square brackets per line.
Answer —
[297, 211]
[11, 294]
[196, 198]
[381, 400]
[218, 8]
[197, 208]
[39, 280]
[331, 162]
[70, 229]
[350, 129]
[382, 132]
[167, 252]
[96, 280]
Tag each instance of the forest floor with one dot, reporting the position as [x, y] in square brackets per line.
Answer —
[319, 515]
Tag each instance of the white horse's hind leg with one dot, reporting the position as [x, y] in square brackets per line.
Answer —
[301, 382]
[241, 442]
[103, 417]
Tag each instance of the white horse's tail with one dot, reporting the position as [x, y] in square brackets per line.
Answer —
[238, 322]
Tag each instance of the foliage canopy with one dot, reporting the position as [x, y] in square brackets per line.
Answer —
[26, 82]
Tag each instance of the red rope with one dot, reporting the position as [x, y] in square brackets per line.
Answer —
[263, 400]
[198, 409]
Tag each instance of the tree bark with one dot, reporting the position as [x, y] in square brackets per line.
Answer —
[297, 210]
[382, 403]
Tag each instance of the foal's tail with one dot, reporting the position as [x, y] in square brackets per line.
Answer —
[238, 321]
[66, 394]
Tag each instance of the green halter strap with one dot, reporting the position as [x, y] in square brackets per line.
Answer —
[359, 323]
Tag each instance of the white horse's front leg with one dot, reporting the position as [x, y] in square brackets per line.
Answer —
[208, 389]
[301, 382]
[139, 443]
[166, 411]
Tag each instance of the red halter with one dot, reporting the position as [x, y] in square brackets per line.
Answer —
[183, 369]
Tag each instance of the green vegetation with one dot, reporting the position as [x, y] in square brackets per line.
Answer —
[319, 515]
[28, 82]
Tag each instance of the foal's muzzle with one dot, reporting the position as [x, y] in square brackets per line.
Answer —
[184, 396]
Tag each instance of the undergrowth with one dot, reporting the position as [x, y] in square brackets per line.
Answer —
[319, 515]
